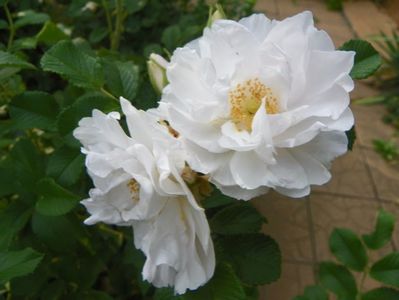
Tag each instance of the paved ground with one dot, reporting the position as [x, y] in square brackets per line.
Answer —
[362, 182]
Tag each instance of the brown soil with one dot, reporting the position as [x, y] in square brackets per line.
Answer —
[392, 8]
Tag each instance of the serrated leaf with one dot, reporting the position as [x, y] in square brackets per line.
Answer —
[80, 69]
[224, 285]
[30, 17]
[382, 293]
[386, 270]
[54, 200]
[122, 79]
[65, 165]
[11, 60]
[18, 263]
[34, 109]
[256, 258]
[69, 118]
[338, 280]
[348, 249]
[50, 34]
[367, 59]
[382, 232]
[239, 218]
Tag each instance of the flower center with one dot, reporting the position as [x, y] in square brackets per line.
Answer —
[134, 188]
[245, 100]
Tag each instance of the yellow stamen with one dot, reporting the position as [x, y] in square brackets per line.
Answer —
[245, 100]
[134, 188]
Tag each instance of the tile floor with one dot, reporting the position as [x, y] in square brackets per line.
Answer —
[362, 182]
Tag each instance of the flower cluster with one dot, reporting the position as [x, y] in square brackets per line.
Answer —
[254, 105]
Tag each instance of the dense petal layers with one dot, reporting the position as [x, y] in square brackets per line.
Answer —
[261, 104]
[138, 182]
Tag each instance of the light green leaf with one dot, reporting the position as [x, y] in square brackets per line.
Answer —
[11, 60]
[338, 280]
[18, 263]
[348, 249]
[122, 79]
[65, 165]
[386, 270]
[382, 293]
[54, 200]
[224, 285]
[34, 109]
[30, 17]
[80, 69]
[256, 258]
[367, 59]
[50, 34]
[69, 118]
[239, 218]
[382, 232]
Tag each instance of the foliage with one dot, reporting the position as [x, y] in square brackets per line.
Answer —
[353, 255]
[334, 4]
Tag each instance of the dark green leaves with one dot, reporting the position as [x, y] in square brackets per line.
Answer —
[50, 34]
[348, 249]
[18, 263]
[30, 17]
[54, 200]
[224, 285]
[34, 110]
[386, 270]
[11, 60]
[313, 293]
[79, 68]
[240, 218]
[383, 231]
[256, 258]
[367, 59]
[351, 135]
[381, 293]
[338, 280]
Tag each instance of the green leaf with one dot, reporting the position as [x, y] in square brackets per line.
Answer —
[122, 79]
[54, 200]
[217, 199]
[351, 135]
[53, 290]
[65, 165]
[382, 232]
[367, 59]
[256, 258]
[30, 17]
[348, 249]
[69, 118]
[171, 37]
[11, 60]
[338, 280]
[18, 263]
[382, 293]
[80, 69]
[314, 292]
[50, 34]
[166, 294]
[98, 34]
[239, 218]
[386, 270]
[91, 295]
[34, 109]
[224, 285]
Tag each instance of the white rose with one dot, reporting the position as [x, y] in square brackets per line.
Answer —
[261, 104]
[138, 182]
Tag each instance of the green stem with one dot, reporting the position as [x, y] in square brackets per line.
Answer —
[108, 94]
[10, 26]
[116, 37]
[109, 19]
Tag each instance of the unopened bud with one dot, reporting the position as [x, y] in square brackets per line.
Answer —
[156, 66]
[216, 12]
